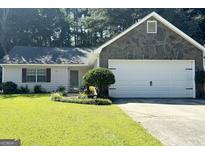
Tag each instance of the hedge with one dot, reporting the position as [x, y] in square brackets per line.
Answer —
[97, 101]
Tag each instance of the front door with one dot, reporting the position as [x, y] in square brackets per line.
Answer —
[74, 80]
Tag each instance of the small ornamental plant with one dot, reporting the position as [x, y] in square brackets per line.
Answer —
[101, 78]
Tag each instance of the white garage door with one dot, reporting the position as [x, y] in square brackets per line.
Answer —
[153, 78]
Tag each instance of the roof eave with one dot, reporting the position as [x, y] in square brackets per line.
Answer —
[45, 64]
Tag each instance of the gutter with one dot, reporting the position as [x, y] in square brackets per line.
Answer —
[44, 65]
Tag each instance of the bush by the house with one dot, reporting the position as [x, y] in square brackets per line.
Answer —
[98, 101]
[89, 91]
[92, 90]
[62, 90]
[1, 86]
[78, 101]
[9, 88]
[38, 89]
[200, 80]
[101, 101]
[100, 78]
[82, 95]
[23, 90]
[56, 96]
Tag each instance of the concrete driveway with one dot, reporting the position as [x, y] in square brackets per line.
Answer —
[172, 121]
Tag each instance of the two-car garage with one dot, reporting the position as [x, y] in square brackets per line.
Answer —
[152, 78]
[160, 63]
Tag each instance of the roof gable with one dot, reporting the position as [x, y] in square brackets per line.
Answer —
[162, 20]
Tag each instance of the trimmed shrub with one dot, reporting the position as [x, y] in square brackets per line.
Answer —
[92, 90]
[82, 95]
[38, 89]
[101, 78]
[98, 101]
[1, 86]
[200, 80]
[62, 90]
[23, 90]
[56, 96]
[78, 101]
[9, 88]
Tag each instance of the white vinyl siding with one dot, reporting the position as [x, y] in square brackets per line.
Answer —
[59, 76]
[153, 78]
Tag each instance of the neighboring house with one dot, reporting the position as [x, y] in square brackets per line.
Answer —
[152, 58]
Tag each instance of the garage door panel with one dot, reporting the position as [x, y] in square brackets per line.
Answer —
[155, 94]
[178, 89]
[159, 94]
[160, 76]
[168, 78]
[158, 83]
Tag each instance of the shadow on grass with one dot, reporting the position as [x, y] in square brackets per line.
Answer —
[177, 101]
[9, 96]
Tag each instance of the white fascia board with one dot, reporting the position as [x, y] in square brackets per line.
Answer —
[165, 22]
[178, 31]
[98, 50]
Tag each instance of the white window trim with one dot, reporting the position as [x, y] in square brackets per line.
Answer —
[152, 21]
[27, 76]
[36, 75]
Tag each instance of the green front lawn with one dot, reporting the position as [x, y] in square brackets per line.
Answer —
[38, 121]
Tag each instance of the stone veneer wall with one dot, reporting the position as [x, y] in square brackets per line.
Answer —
[165, 44]
[138, 44]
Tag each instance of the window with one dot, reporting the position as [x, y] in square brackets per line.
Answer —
[31, 75]
[36, 75]
[152, 26]
[41, 75]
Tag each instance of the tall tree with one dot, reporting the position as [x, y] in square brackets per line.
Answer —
[4, 14]
[81, 27]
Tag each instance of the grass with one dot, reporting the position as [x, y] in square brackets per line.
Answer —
[37, 120]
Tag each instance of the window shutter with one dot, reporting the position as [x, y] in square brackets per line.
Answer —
[48, 74]
[23, 74]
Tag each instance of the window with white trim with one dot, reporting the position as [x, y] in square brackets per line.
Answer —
[31, 75]
[151, 26]
[41, 75]
[36, 75]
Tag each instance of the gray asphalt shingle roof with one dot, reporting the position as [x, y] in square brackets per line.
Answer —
[46, 55]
